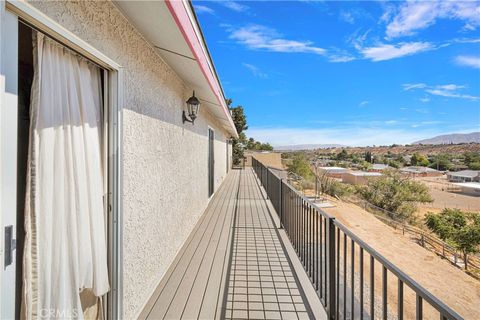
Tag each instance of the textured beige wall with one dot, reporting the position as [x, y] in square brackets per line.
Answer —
[165, 162]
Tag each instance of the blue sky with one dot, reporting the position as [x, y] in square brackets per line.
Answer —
[354, 73]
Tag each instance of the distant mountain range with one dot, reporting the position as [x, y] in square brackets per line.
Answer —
[453, 138]
[299, 147]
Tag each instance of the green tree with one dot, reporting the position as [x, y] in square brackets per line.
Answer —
[368, 157]
[266, 147]
[471, 157]
[474, 165]
[419, 160]
[333, 187]
[395, 193]
[251, 144]
[240, 122]
[394, 164]
[343, 155]
[441, 162]
[364, 165]
[239, 117]
[300, 166]
[459, 229]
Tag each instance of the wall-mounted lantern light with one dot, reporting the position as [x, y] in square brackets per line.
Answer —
[193, 105]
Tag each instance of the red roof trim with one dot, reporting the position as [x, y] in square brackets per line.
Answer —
[184, 23]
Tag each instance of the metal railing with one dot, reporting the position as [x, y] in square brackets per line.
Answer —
[334, 260]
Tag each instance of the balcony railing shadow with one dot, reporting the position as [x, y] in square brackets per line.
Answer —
[334, 260]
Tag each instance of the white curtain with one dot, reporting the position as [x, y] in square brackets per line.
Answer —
[65, 249]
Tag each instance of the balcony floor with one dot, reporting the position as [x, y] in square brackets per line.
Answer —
[234, 265]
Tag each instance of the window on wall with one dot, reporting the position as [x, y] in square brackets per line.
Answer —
[211, 162]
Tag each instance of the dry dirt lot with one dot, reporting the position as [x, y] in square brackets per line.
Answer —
[450, 284]
[445, 199]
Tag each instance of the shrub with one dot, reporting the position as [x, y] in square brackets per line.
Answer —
[395, 193]
[459, 229]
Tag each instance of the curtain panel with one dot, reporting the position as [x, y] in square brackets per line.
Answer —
[65, 244]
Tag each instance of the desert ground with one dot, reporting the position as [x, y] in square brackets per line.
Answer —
[446, 199]
[448, 283]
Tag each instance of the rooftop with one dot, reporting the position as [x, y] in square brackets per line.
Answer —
[334, 169]
[416, 169]
[364, 174]
[465, 173]
[380, 166]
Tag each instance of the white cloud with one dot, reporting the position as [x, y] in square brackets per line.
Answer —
[410, 86]
[350, 136]
[233, 5]
[425, 99]
[422, 110]
[449, 87]
[391, 122]
[443, 90]
[339, 55]
[469, 61]
[417, 15]
[203, 9]
[465, 40]
[451, 94]
[389, 51]
[255, 70]
[340, 58]
[260, 37]
[363, 103]
[347, 17]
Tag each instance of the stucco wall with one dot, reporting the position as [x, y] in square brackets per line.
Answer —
[165, 161]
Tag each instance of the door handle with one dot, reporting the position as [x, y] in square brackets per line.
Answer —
[10, 246]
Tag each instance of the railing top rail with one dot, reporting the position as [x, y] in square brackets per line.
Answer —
[415, 286]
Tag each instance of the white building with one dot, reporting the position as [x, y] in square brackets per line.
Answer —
[359, 177]
[332, 172]
[417, 171]
[464, 176]
[378, 167]
[470, 188]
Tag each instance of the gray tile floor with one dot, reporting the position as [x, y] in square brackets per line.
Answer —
[262, 283]
[233, 265]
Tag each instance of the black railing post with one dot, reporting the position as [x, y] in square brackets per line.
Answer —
[280, 202]
[331, 307]
[267, 186]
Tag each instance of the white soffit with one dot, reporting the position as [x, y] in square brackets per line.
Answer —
[155, 22]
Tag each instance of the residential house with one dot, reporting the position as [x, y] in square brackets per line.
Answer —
[416, 171]
[379, 167]
[464, 176]
[359, 177]
[469, 188]
[332, 172]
